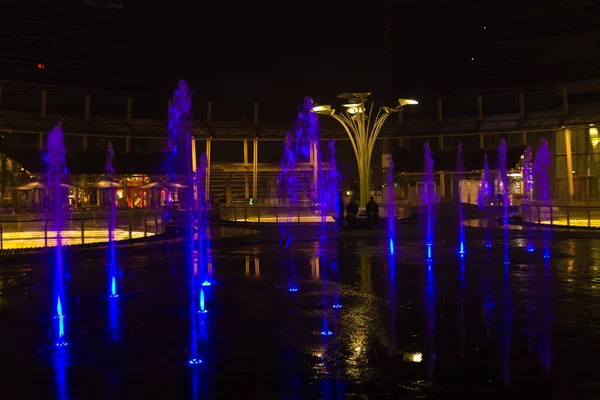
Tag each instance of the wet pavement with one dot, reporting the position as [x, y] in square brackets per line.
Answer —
[407, 328]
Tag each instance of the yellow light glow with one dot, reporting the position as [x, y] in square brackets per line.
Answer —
[309, 219]
[35, 239]
[321, 108]
[413, 357]
[594, 136]
[407, 102]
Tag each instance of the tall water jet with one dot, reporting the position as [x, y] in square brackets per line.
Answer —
[301, 146]
[429, 198]
[504, 191]
[203, 238]
[113, 291]
[541, 171]
[528, 187]
[485, 196]
[461, 228]
[57, 169]
[391, 207]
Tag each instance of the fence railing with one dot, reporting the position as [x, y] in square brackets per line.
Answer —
[25, 232]
[570, 216]
[294, 215]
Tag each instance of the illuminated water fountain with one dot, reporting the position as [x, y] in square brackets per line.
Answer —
[528, 186]
[485, 196]
[57, 169]
[461, 228]
[112, 251]
[429, 198]
[503, 178]
[391, 209]
[541, 171]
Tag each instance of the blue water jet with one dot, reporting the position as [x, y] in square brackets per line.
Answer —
[112, 251]
[293, 287]
[391, 207]
[57, 170]
[528, 189]
[113, 318]
[429, 197]
[60, 358]
[461, 228]
[485, 197]
[541, 171]
[505, 194]
[201, 302]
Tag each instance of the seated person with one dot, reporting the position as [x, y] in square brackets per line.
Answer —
[372, 207]
[352, 207]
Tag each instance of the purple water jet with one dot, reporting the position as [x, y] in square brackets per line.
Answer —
[541, 171]
[503, 178]
[391, 208]
[57, 169]
[429, 198]
[112, 252]
[486, 195]
[461, 229]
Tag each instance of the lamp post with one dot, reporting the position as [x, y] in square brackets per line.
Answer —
[362, 129]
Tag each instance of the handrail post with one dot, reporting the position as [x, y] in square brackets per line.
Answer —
[539, 208]
[245, 214]
[589, 218]
[46, 234]
[298, 216]
[551, 217]
[83, 231]
[156, 225]
[568, 217]
[1, 237]
[258, 211]
[130, 229]
[145, 227]
[235, 214]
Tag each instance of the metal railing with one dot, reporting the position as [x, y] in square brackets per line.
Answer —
[569, 216]
[295, 215]
[29, 232]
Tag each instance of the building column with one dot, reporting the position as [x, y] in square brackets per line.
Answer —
[44, 104]
[441, 142]
[246, 187]
[41, 141]
[128, 144]
[569, 163]
[255, 170]
[88, 106]
[85, 143]
[442, 185]
[481, 141]
[315, 167]
[207, 180]
[194, 168]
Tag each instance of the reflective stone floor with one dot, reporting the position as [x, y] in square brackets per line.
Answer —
[407, 328]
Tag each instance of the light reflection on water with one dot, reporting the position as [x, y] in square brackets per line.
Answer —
[476, 315]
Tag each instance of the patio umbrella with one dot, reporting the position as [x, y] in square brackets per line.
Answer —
[104, 184]
[159, 185]
[38, 186]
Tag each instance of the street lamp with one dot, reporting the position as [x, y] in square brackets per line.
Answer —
[362, 130]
